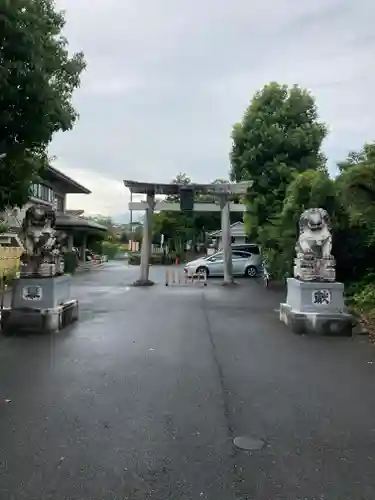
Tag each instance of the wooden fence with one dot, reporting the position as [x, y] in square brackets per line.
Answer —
[9, 261]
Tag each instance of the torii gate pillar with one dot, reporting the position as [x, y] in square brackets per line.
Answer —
[144, 279]
[226, 239]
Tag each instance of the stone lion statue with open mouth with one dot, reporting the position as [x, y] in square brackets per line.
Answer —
[315, 239]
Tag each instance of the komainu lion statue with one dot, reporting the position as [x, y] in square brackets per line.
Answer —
[41, 241]
[315, 239]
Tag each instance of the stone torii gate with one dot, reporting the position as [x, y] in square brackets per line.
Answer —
[221, 193]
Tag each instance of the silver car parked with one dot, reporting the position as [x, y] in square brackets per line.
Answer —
[244, 264]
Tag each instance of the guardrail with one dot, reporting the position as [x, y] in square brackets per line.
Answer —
[180, 277]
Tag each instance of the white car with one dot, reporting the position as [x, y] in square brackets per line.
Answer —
[243, 263]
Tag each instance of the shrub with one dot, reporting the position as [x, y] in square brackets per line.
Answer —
[110, 249]
[96, 247]
[364, 299]
[70, 262]
[134, 259]
[7, 279]
[277, 263]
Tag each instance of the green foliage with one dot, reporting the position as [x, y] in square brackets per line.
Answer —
[366, 156]
[356, 183]
[277, 145]
[110, 249]
[135, 259]
[37, 80]
[137, 234]
[124, 237]
[3, 228]
[278, 137]
[354, 238]
[363, 300]
[95, 245]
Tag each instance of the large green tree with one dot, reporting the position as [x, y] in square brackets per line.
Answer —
[37, 80]
[355, 185]
[279, 136]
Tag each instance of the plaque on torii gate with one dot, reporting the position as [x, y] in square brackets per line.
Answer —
[221, 192]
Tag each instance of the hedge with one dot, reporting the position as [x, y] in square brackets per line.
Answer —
[110, 249]
[70, 262]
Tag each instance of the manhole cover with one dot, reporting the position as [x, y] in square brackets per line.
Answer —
[248, 443]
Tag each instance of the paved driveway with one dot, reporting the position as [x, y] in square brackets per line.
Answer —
[143, 397]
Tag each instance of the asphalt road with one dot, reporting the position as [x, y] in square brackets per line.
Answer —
[142, 398]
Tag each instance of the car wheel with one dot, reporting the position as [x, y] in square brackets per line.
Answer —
[203, 269]
[251, 271]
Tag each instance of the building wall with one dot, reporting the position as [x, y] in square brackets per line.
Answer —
[237, 232]
[238, 240]
[49, 193]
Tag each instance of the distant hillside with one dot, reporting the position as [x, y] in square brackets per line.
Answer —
[125, 218]
[121, 218]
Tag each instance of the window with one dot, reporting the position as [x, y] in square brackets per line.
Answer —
[42, 192]
[240, 255]
[253, 249]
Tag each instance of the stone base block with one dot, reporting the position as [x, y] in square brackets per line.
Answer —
[322, 323]
[315, 296]
[41, 293]
[27, 320]
[228, 284]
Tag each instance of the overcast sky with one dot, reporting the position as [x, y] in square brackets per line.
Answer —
[167, 79]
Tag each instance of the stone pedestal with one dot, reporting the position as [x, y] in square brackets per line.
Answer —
[40, 304]
[318, 307]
